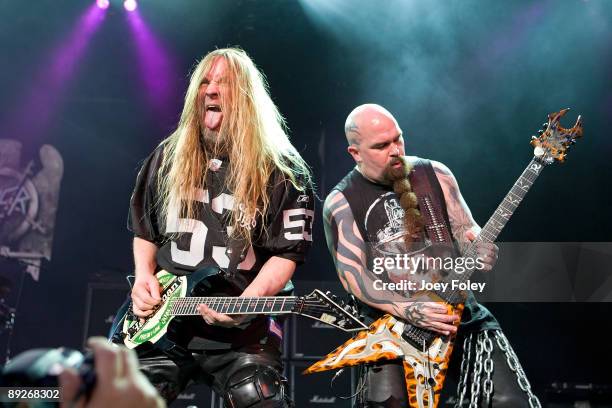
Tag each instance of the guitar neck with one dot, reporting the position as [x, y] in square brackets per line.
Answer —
[500, 217]
[510, 203]
[188, 306]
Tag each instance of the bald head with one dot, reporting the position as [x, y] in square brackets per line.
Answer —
[375, 140]
[366, 120]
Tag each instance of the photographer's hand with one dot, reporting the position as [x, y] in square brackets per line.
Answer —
[119, 382]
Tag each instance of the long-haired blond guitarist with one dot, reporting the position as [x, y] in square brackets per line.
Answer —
[227, 198]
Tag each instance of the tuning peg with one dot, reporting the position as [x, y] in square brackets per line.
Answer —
[540, 132]
[544, 125]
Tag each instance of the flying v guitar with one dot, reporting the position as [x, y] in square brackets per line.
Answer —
[426, 354]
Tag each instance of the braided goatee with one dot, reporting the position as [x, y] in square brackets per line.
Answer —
[398, 176]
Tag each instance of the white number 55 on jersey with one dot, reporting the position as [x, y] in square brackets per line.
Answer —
[298, 218]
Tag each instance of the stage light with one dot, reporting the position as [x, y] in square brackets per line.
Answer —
[46, 89]
[158, 66]
[103, 4]
[130, 5]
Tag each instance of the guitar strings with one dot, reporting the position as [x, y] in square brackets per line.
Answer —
[183, 305]
[530, 175]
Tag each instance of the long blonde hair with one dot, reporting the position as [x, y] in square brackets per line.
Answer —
[256, 144]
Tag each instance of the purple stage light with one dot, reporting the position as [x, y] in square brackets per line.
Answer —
[156, 68]
[103, 4]
[37, 108]
[130, 5]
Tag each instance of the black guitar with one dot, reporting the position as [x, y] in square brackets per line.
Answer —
[177, 300]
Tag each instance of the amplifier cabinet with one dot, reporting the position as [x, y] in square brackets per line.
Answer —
[314, 390]
[197, 396]
[103, 301]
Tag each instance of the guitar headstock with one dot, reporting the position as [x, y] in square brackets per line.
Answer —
[554, 140]
[328, 309]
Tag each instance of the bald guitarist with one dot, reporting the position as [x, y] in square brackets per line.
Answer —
[373, 208]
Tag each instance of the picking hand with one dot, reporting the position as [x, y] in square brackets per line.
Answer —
[432, 316]
[145, 295]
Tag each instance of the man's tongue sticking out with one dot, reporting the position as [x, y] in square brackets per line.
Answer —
[213, 118]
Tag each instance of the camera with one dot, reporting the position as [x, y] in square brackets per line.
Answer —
[42, 367]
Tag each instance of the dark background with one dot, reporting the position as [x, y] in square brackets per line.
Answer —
[468, 81]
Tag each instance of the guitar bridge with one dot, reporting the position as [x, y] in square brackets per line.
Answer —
[418, 338]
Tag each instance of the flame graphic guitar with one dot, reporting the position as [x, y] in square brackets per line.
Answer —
[426, 354]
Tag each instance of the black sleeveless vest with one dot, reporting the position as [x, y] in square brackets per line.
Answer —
[379, 218]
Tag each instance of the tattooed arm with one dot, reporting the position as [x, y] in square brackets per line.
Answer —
[463, 226]
[348, 250]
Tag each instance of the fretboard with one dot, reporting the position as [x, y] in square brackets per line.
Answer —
[509, 204]
[500, 217]
[188, 306]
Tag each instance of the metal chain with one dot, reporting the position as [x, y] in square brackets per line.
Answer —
[465, 370]
[516, 367]
[488, 367]
[477, 372]
[362, 385]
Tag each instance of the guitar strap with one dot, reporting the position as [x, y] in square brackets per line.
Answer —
[237, 252]
[432, 204]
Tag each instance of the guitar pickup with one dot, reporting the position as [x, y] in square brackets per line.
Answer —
[326, 318]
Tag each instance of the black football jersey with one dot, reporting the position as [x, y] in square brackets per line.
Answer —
[205, 241]
[186, 245]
